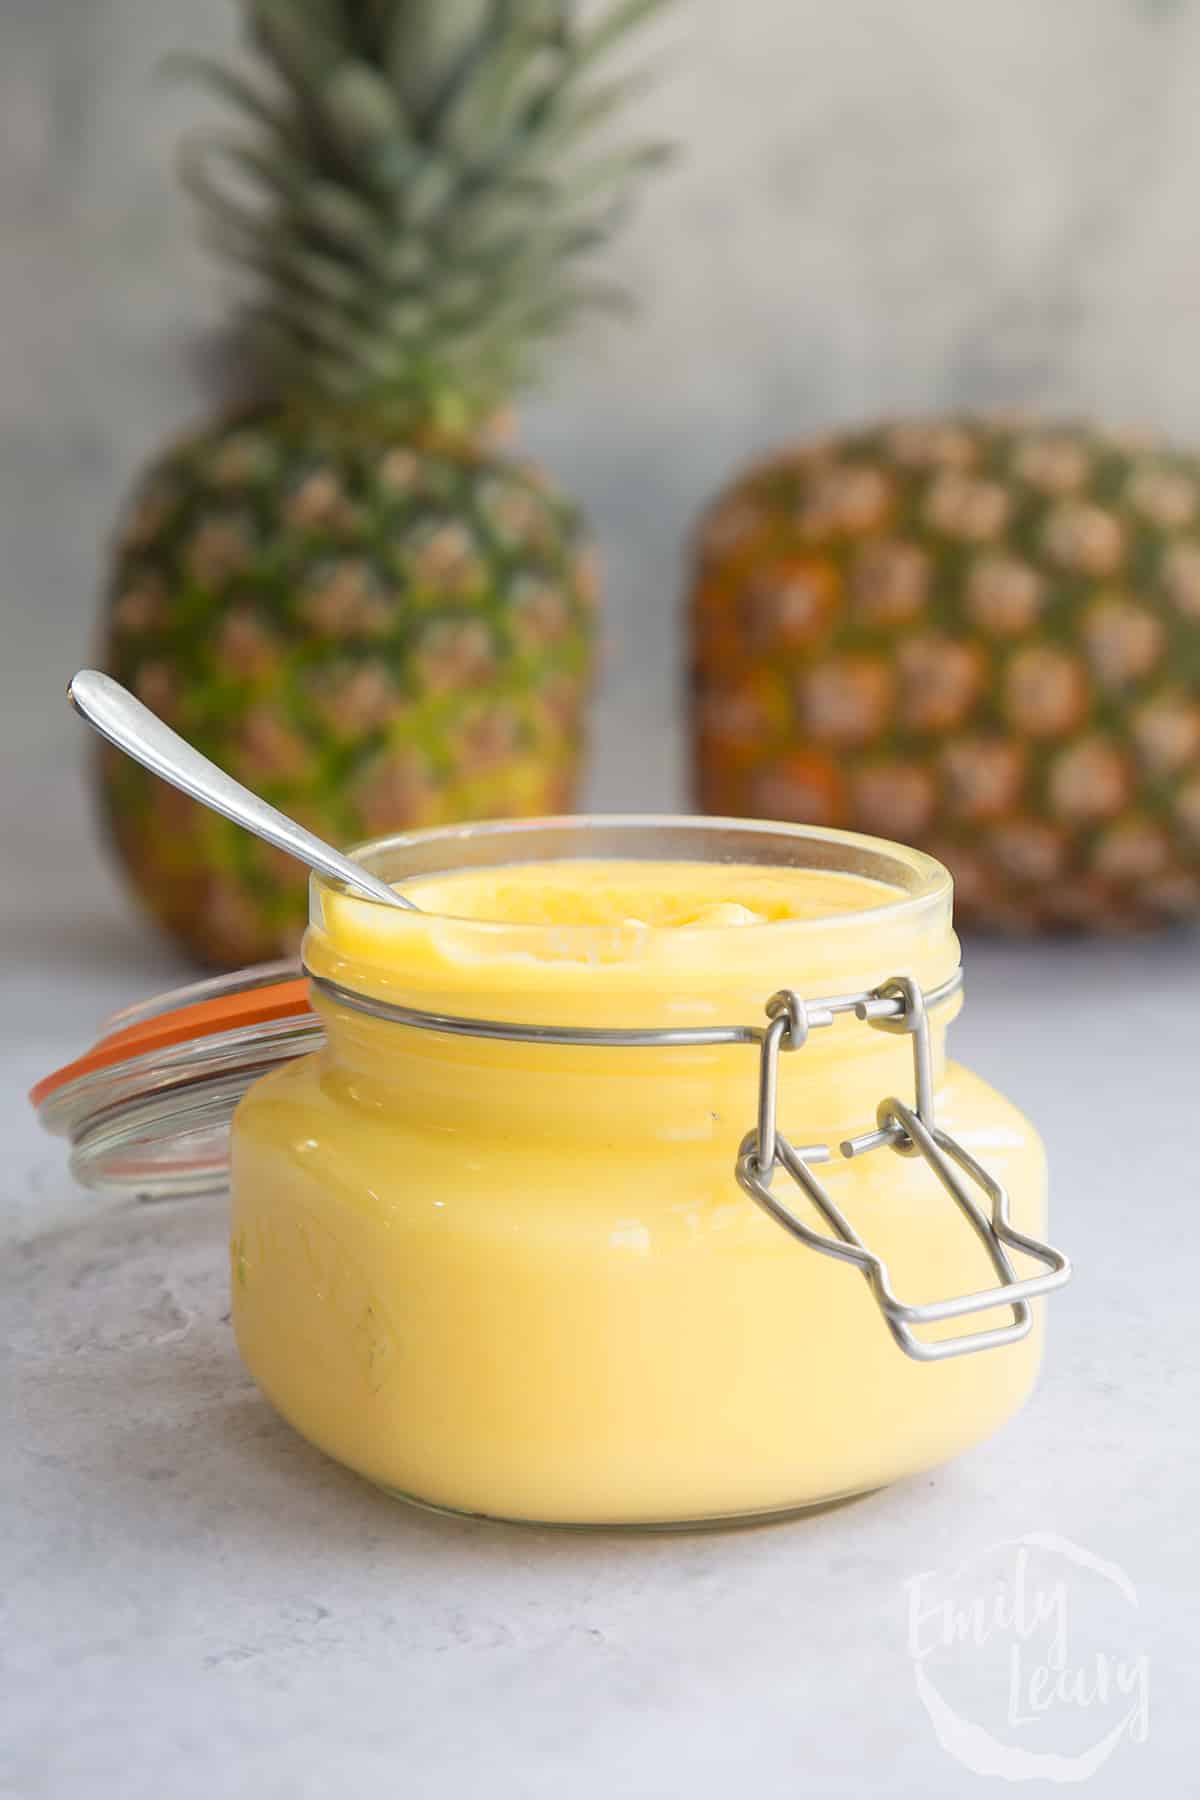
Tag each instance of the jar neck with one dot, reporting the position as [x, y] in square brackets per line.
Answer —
[628, 976]
[482, 1088]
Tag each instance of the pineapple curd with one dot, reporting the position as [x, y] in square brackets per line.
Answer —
[520, 1278]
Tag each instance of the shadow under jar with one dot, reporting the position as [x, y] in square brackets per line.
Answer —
[555, 1226]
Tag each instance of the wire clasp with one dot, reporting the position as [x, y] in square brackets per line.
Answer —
[897, 1005]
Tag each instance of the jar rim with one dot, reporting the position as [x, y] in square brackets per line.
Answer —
[918, 879]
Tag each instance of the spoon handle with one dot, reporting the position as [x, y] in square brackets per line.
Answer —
[112, 711]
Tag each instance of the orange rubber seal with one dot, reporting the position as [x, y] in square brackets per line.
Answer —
[205, 1018]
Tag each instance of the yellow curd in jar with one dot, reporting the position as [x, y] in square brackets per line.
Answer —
[520, 1279]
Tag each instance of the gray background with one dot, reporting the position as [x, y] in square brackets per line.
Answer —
[880, 207]
[883, 206]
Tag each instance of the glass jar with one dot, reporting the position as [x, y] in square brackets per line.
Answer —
[555, 1227]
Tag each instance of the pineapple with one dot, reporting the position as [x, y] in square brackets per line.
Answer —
[980, 636]
[346, 591]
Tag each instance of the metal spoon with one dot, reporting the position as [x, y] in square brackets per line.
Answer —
[112, 710]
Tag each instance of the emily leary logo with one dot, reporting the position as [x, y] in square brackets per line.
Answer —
[1028, 1659]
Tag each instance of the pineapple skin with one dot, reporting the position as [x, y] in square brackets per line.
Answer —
[980, 636]
[375, 636]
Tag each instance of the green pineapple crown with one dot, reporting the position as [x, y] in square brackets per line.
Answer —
[414, 198]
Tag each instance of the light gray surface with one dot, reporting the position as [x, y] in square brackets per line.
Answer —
[198, 1604]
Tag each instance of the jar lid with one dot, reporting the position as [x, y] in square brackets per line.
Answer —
[147, 1108]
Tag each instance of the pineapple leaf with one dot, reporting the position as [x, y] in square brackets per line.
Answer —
[411, 202]
[223, 208]
[573, 115]
[405, 261]
[431, 46]
[487, 99]
[292, 37]
[341, 218]
[369, 23]
[319, 325]
[228, 84]
[609, 30]
[277, 178]
[323, 276]
[391, 166]
[363, 109]
[616, 171]
[407, 319]
[429, 190]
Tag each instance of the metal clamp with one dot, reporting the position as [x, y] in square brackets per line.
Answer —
[910, 1131]
[915, 1021]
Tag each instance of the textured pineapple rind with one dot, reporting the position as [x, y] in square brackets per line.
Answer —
[981, 636]
[373, 636]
